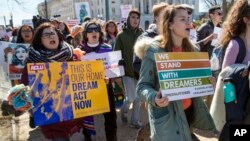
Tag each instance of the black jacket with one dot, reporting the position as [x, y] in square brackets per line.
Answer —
[150, 33]
[204, 31]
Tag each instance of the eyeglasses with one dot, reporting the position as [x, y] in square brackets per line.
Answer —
[90, 30]
[48, 35]
[218, 13]
[26, 31]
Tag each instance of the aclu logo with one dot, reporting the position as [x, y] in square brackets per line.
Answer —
[36, 67]
[239, 132]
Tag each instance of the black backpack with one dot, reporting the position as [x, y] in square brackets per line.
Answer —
[219, 53]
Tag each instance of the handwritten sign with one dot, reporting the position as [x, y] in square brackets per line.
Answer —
[218, 31]
[110, 60]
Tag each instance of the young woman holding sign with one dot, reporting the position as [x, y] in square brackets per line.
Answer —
[171, 120]
[48, 46]
[93, 42]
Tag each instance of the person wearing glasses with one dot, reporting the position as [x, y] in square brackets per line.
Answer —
[48, 46]
[205, 33]
[93, 41]
[205, 36]
[25, 34]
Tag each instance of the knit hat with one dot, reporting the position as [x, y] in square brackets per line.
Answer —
[75, 30]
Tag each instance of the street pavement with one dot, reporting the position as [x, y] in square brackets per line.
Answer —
[124, 133]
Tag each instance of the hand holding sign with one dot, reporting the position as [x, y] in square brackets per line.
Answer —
[161, 101]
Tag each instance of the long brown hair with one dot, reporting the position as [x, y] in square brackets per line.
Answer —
[167, 16]
[234, 24]
[19, 34]
[107, 24]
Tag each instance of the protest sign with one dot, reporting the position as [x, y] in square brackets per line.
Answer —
[82, 10]
[5, 84]
[3, 55]
[193, 35]
[74, 90]
[16, 56]
[184, 74]
[125, 10]
[13, 57]
[27, 22]
[2, 33]
[217, 30]
[110, 60]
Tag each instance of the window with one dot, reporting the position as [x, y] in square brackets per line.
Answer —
[113, 10]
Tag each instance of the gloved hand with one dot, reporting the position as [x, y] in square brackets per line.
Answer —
[122, 63]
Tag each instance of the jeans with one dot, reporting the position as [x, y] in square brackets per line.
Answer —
[131, 96]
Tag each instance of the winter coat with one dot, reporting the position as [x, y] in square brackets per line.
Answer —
[204, 31]
[125, 41]
[60, 129]
[170, 122]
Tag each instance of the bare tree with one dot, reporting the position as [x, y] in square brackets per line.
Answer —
[20, 2]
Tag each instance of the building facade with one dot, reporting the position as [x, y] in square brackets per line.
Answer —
[108, 9]
[62, 10]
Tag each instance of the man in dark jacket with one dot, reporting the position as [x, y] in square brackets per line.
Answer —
[148, 34]
[205, 36]
[205, 33]
[125, 41]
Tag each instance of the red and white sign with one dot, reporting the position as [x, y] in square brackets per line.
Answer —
[72, 23]
[36, 67]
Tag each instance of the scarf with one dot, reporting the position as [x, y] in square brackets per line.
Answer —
[63, 53]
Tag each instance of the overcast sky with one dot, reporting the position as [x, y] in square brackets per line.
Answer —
[24, 11]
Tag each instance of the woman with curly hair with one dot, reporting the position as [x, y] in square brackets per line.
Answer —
[236, 25]
[236, 32]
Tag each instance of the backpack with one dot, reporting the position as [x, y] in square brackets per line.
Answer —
[235, 112]
[219, 53]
